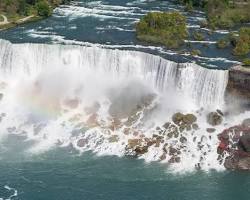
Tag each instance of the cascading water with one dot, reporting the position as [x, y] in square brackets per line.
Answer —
[104, 100]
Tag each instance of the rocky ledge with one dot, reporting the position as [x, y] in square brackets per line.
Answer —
[235, 146]
[238, 84]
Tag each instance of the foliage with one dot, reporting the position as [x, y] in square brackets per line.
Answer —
[43, 8]
[222, 14]
[195, 52]
[246, 62]
[198, 36]
[167, 28]
[27, 7]
[242, 46]
[222, 43]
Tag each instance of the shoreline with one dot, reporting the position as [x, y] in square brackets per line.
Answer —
[8, 24]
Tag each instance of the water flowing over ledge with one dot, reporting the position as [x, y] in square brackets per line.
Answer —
[204, 86]
[112, 102]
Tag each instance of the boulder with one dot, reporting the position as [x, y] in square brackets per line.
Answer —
[188, 119]
[81, 142]
[211, 130]
[237, 164]
[113, 138]
[214, 119]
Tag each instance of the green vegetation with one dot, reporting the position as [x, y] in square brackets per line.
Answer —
[246, 62]
[198, 36]
[222, 43]
[195, 52]
[17, 10]
[167, 28]
[43, 8]
[226, 14]
[222, 13]
[242, 46]
[240, 42]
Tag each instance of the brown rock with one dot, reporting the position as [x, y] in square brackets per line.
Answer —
[82, 142]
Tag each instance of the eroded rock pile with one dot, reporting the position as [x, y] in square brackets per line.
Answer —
[235, 146]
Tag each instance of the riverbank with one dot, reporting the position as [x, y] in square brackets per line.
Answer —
[25, 12]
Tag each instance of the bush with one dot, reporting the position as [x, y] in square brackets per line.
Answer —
[195, 52]
[43, 8]
[198, 36]
[242, 42]
[246, 62]
[222, 43]
[167, 28]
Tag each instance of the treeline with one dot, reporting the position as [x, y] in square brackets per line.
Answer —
[222, 13]
[27, 7]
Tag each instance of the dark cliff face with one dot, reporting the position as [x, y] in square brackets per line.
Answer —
[238, 88]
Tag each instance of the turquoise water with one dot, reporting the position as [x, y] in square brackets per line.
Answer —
[63, 176]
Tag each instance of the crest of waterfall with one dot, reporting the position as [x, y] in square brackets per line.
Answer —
[204, 86]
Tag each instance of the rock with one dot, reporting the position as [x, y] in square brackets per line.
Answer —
[237, 164]
[211, 130]
[244, 164]
[246, 122]
[114, 138]
[141, 150]
[188, 119]
[219, 112]
[177, 118]
[238, 86]
[244, 143]
[195, 126]
[174, 159]
[163, 156]
[134, 142]
[82, 142]
[214, 119]
[166, 125]
[183, 139]
[172, 151]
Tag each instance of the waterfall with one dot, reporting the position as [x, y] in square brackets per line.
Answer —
[99, 99]
[204, 86]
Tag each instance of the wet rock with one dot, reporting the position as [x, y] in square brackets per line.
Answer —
[179, 118]
[237, 164]
[166, 125]
[214, 119]
[183, 139]
[246, 122]
[113, 139]
[174, 159]
[244, 143]
[211, 130]
[163, 156]
[141, 150]
[244, 164]
[172, 151]
[195, 126]
[220, 112]
[134, 142]
[82, 142]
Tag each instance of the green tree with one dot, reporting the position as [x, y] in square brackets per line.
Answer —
[43, 8]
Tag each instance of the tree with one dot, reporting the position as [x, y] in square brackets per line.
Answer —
[43, 8]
